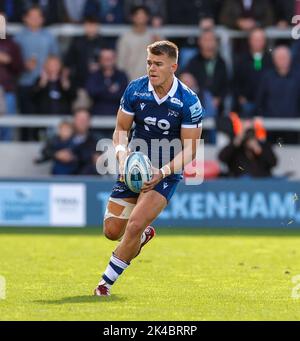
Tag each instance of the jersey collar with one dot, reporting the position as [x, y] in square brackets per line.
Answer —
[171, 93]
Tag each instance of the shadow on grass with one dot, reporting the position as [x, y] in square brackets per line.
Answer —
[97, 232]
[83, 299]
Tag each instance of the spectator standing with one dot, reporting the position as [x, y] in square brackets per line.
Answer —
[157, 9]
[206, 99]
[205, 96]
[249, 69]
[284, 12]
[85, 143]
[107, 85]
[279, 92]
[132, 46]
[15, 9]
[53, 92]
[245, 15]
[83, 53]
[106, 11]
[296, 55]
[50, 8]
[36, 45]
[192, 11]
[209, 68]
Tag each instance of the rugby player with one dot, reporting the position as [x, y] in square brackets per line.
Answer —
[162, 108]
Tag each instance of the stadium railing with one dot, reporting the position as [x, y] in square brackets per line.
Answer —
[225, 34]
[108, 122]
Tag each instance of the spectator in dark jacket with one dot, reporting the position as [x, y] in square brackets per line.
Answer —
[107, 85]
[11, 65]
[209, 68]
[249, 69]
[285, 11]
[53, 92]
[279, 91]
[296, 55]
[192, 11]
[157, 9]
[15, 9]
[248, 155]
[106, 11]
[83, 53]
[205, 96]
[61, 151]
[85, 143]
[245, 15]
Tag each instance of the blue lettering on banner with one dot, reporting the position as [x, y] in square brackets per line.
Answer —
[231, 205]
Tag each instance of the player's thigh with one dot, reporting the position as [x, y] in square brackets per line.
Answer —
[147, 209]
[116, 216]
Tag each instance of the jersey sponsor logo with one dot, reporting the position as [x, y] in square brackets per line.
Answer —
[143, 105]
[196, 111]
[173, 113]
[142, 94]
[176, 101]
[165, 185]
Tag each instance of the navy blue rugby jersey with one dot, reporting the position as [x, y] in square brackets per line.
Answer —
[160, 120]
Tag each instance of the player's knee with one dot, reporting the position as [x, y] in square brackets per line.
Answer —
[134, 227]
[110, 231]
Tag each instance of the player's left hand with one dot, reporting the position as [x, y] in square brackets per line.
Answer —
[156, 179]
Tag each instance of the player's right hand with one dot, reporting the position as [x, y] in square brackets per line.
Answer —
[121, 171]
[122, 156]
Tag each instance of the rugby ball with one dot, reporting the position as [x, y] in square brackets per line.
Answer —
[137, 171]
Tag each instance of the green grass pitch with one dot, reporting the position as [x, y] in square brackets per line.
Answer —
[203, 274]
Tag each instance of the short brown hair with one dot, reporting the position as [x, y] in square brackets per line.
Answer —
[164, 47]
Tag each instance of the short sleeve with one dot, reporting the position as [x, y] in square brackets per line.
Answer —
[192, 113]
[126, 104]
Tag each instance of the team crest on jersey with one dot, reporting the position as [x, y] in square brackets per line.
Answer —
[173, 113]
[177, 102]
[143, 105]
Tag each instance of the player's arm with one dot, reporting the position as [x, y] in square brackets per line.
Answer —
[120, 137]
[190, 141]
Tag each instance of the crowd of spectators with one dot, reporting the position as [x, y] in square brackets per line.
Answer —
[238, 14]
[38, 76]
